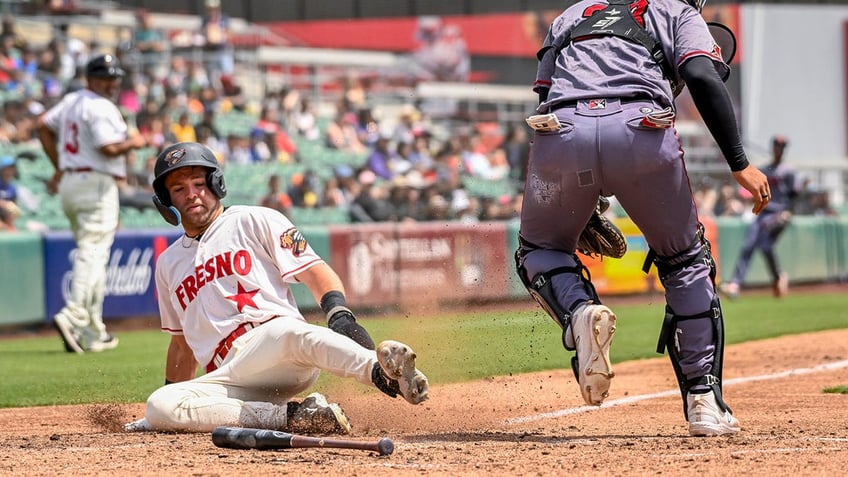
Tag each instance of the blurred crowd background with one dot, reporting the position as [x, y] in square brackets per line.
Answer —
[343, 160]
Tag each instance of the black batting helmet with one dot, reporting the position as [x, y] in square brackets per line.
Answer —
[184, 154]
[104, 66]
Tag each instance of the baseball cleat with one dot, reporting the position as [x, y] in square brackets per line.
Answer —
[316, 416]
[592, 327]
[66, 331]
[397, 361]
[111, 342]
[730, 289]
[780, 287]
[707, 419]
[141, 425]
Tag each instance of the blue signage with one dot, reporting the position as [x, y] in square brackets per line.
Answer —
[130, 288]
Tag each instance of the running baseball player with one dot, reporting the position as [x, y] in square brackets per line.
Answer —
[86, 139]
[224, 297]
[767, 228]
[607, 77]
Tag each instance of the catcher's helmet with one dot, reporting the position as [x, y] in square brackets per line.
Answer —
[696, 4]
[104, 66]
[184, 154]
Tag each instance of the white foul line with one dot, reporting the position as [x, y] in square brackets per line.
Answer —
[674, 392]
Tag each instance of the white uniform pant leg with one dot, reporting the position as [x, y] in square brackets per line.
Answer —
[266, 367]
[90, 201]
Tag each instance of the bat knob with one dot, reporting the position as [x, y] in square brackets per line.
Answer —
[386, 446]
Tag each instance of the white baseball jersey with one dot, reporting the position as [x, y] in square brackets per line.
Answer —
[84, 122]
[237, 272]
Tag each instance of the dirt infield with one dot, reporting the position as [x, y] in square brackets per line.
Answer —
[532, 424]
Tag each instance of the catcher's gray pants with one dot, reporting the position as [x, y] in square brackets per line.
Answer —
[605, 151]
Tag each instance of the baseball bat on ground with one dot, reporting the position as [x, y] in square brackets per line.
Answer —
[248, 438]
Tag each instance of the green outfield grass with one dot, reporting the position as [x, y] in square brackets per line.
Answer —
[451, 348]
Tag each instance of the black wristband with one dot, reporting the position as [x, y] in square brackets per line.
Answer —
[332, 299]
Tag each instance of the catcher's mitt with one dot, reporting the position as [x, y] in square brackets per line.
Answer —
[601, 237]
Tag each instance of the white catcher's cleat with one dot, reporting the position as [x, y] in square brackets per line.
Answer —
[592, 327]
[707, 419]
[397, 361]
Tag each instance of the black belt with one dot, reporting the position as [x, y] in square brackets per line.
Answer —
[573, 103]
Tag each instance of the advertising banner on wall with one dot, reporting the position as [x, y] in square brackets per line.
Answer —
[383, 264]
[129, 272]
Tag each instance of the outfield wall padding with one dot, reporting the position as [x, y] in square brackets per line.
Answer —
[397, 264]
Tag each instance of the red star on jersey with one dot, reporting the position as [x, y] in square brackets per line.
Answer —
[243, 297]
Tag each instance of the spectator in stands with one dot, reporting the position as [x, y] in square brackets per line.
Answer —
[275, 198]
[475, 161]
[29, 84]
[371, 203]
[382, 159]
[8, 175]
[217, 47]
[9, 214]
[8, 27]
[332, 195]
[183, 130]
[238, 150]
[207, 138]
[408, 126]
[442, 54]
[207, 121]
[128, 98]
[49, 66]
[177, 78]
[15, 125]
[706, 197]
[9, 63]
[405, 196]
[448, 163]
[420, 155]
[148, 41]
[259, 146]
[728, 202]
[307, 192]
[341, 134]
[437, 208]
[305, 121]
[367, 127]
[354, 94]
[517, 147]
[277, 141]
[342, 188]
[196, 80]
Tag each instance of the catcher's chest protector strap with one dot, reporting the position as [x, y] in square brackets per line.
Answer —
[617, 20]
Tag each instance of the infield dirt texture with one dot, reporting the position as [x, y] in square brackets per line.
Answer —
[530, 424]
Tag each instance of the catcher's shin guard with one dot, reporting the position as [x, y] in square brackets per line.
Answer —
[541, 288]
[668, 334]
[669, 340]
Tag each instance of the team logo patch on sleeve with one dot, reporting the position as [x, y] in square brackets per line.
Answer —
[293, 239]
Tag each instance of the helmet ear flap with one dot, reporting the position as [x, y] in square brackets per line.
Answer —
[215, 182]
[168, 212]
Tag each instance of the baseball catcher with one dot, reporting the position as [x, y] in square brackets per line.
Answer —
[607, 77]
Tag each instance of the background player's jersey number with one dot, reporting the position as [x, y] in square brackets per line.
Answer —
[72, 138]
